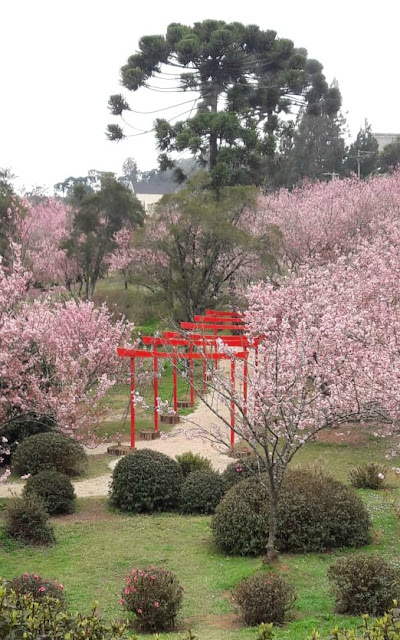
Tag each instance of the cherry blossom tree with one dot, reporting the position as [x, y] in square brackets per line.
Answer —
[329, 344]
[57, 358]
[319, 221]
[41, 230]
[124, 255]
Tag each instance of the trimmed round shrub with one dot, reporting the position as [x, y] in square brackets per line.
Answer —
[23, 426]
[240, 522]
[368, 476]
[55, 489]
[154, 596]
[201, 492]
[264, 597]
[36, 586]
[27, 521]
[50, 451]
[241, 470]
[364, 583]
[146, 481]
[190, 462]
[315, 513]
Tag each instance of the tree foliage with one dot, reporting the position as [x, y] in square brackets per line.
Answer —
[363, 153]
[98, 217]
[389, 158]
[195, 245]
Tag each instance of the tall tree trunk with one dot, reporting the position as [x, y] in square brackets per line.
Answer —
[213, 136]
[272, 524]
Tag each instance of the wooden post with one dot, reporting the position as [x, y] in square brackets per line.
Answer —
[132, 403]
[175, 380]
[232, 404]
[155, 388]
[191, 368]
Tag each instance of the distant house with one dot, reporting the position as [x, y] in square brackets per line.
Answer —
[385, 138]
[149, 194]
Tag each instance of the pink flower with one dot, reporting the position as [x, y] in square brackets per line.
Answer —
[126, 591]
[152, 577]
[42, 589]
[139, 610]
[121, 601]
[26, 575]
[156, 604]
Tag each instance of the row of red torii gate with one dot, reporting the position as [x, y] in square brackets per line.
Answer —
[200, 340]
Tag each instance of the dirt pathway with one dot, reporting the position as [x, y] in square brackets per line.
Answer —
[183, 437]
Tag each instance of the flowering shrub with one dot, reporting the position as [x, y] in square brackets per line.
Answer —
[146, 481]
[264, 598]
[364, 583]
[36, 586]
[190, 462]
[314, 513]
[201, 492]
[154, 596]
[55, 489]
[24, 617]
[368, 476]
[50, 451]
[26, 521]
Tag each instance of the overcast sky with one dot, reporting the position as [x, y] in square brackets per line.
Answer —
[60, 63]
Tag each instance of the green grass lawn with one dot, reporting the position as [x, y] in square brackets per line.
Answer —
[96, 548]
[117, 411]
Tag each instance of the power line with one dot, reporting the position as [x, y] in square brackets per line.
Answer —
[179, 104]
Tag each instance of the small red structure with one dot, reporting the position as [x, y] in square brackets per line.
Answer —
[194, 341]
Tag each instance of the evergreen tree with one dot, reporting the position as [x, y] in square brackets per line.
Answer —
[244, 80]
[363, 156]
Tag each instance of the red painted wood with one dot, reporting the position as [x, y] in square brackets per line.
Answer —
[132, 403]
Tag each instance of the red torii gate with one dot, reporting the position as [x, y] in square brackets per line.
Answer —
[216, 321]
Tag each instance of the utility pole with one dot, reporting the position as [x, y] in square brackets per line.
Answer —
[359, 156]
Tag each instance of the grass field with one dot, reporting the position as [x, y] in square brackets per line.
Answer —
[96, 548]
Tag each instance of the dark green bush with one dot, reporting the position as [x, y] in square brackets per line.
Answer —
[154, 596]
[317, 512]
[50, 451]
[190, 462]
[24, 618]
[146, 481]
[364, 583]
[264, 597]
[27, 521]
[23, 426]
[314, 513]
[368, 476]
[241, 470]
[201, 492]
[36, 586]
[55, 489]
[240, 523]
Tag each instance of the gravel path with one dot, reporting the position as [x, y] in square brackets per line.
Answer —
[183, 437]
